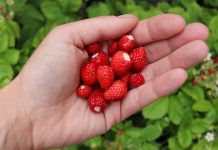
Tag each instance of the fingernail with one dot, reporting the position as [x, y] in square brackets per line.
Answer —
[125, 16]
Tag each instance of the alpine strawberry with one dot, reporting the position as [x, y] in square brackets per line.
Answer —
[126, 78]
[96, 101]
[100, 59]
[138, 57]
[84, 91]
[105, 76]
[93, 48]
[127, 43]
[136, 80]
[113, 48]
[88, 73]
[117, 91]
[121, 63]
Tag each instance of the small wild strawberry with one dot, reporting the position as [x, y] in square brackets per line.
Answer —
[84, 91]
[194, 81]
[121, 63]
[138, 57]
[127, 43]
[100, 59]
[126, 78]
[88, 73]
[96, 101]
[215, 60]
[113, 48]
[212, 71]
[105, 76]
[116, 92]
[93, 48]
[119, 132]
[136, 80]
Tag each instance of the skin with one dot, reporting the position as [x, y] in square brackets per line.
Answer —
[40, 108]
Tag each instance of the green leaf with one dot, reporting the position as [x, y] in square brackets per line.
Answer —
[184, 137]
[10, 56]
[199, 125]
[152, 132]
[4, 82]
[15, 28]
[42, 33]
[156, 110]
[148, 146]
[94, 142]
[4, 39]
[180, 11]
[212, 116]
[185, 100]
[133, 132]
[52, 9]
[187, 119]
[202, 106]
[18, 5]
[6, 70]
[152, 12]
[213, 27]
[196, 92]
[164, 6]
[73, 147]
[201, 145]
[173, 144]
[195, 10]
[99, 9]
[176, 110]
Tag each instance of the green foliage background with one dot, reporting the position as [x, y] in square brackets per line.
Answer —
[177, 122]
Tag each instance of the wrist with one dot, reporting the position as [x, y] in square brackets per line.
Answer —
[15, 123]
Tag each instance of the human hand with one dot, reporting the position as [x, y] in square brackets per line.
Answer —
[47, 84]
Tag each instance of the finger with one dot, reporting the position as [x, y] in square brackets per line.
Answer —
[158, 28]
[98, 29]
[160, 49]
[184, 57]
[160, 86]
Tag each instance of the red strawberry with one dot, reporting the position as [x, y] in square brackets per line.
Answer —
[120, 132]
[127, 43]
[113, 48]
[117, 91]
[194, 81]
[96, 101]
[84, 91]
[93, 48]
[203, 75]
[215, 60]
[138, 57]
[136, 80]
[88, 73]
[126, 78]
[105, 76]
[212, 71]
[100, 59]
[121, 63]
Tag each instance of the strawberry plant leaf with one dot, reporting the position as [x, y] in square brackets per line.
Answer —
[202, 106]
[184, 137]
[199, 126]
[156, 110]
[176, 110]
[151, 132]
[196, 92]
[98, 9]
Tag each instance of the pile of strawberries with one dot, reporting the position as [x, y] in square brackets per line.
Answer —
[108, 76]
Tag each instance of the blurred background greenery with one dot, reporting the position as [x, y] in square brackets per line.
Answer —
[186, 119]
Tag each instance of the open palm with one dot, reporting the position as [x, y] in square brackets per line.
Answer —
[48, 82]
